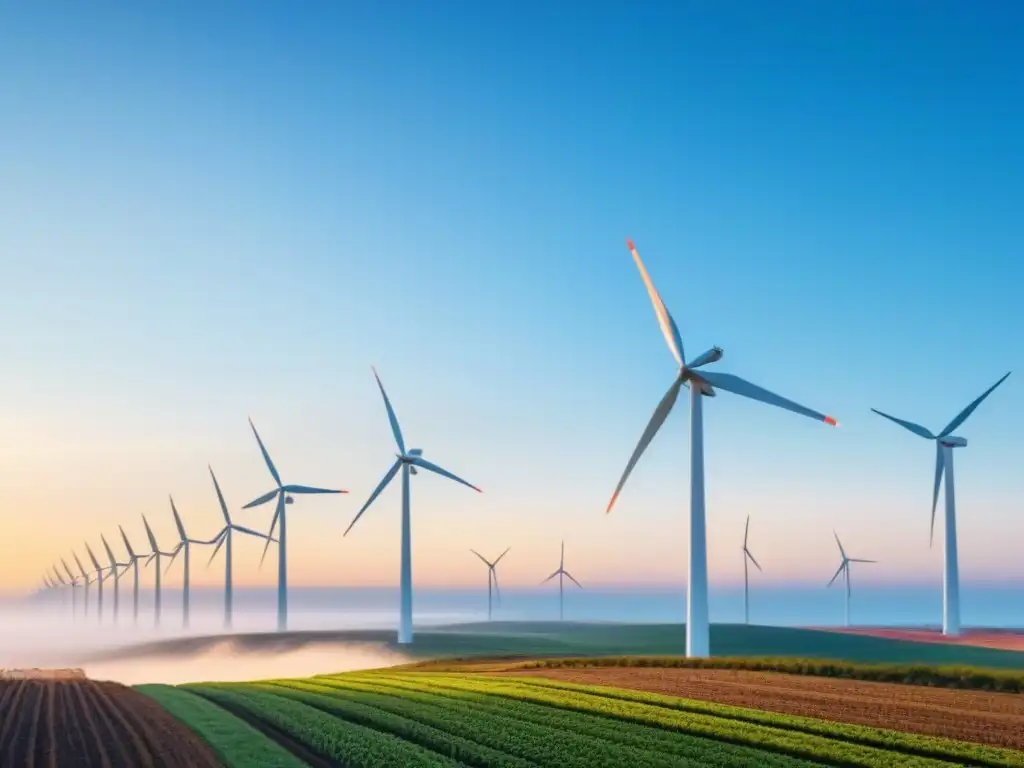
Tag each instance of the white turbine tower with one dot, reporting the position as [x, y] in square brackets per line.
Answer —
[407, 461]
[561, 573]
[184, 545]
[747, 556]
[492, 577]
[224, 539]
[86, 581]
[155, 555]
[73, 583]
[945, 442]
[114, 565]
[282, 494]
[844, 568]
[133, 562]
[701, 383]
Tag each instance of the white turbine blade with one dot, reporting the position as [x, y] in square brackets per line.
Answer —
[917, 429]
[177, 519]
[67, 569]
[660, 414]
[80, 567]
[127, 545]
[273, 524]
[376, 492]
[488, 564]
[110, 552]
[149, 533]
[962, 416]
[665, 321]
[746, 532]
[841, 567]
[502, 555]
[266, 456]
[251, 532]
[95, 562]
[169, 564]
[569, 576]
[223, 536]
[268, 496]
[753, 560]
[497, 591]
[939, 468]
[561, 559]
[149, 559]
[744, 388]
[307, 489]
[841, 550]
[424, 464]
[395, 429]
[549, 578]
[220, 497]
[859, 560]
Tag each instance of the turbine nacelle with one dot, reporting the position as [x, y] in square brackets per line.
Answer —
[410, 458]
[953, 441]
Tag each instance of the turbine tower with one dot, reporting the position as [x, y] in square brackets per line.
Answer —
[86, 580]
[224, 539]
[492, 577]
[844, 568]
[185, 545]
[945, 442]
[60, 582]
[747, 556]
[407, 462]
[156, 555]
[282, 494]
[114, 565]
[73, 583]
[701, 383]
[133, 561]
[99, 583]
[560, 573]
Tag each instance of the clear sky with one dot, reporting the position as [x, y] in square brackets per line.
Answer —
[216, 210]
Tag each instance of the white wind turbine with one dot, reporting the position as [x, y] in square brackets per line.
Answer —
[62, 582]
[86, 581]
[224, 539]
[747, 556]
[945, 442]
[282, 494]
[99, 583]
[155, 555]
[844, 568]
[185, 545]
[133, 562]
[701, 383]
[492, 577]
[73, 583]
[114, 565]
[562, 574]
[407, 462]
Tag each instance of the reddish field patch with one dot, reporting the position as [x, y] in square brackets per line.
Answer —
[1005, 639]
[52, 723]
[985, 718]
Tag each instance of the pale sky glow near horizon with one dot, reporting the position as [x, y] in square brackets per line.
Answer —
[215, 211]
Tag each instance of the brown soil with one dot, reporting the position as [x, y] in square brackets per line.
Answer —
[1008, 640]
[51, 723]
[984, 718]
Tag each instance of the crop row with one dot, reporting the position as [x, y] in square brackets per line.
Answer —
[345, 742]
[828, 745]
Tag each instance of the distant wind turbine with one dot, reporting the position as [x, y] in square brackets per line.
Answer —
[155, 555]
[99, 583]
[114, 565]
[560, 573]
[185, 545]
[73, 583]
[61, 582]
[746, 577]
[704, 383]
[492, 577]
[945, 442]
[133, 562]
[86, 580]
[281, 493]
[407, 461]
[224, 539]
[844, 568]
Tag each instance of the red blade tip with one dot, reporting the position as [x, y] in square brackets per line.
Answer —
[629, 244]
[830, 420]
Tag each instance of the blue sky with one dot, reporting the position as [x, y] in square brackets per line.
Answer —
[209, 211]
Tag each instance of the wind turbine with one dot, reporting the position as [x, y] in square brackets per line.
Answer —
[86, 580]
[224, 539]
[700, 382]
[747, 556]
[492, 577]
[61, 582]
[133, 561]
[560, 573]
[156, 554]
[281, 493]
[73, 583]
[99, 583]
[185, 545]
[844, 568]
[945, 442]
[114, 565]
[407, 461]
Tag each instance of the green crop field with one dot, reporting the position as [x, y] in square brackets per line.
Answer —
[410, 718]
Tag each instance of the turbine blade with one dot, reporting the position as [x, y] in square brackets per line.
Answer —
[859, 560]
[149, 560]
[746, 532]
[376, 492]
[127, 544]
[939, 468]
[220, 497]
[841, 567]
[488, 564]
[841, 550]
[549, 578]
[395, 429]
[665, 321]
[420, 462]
[224, 535]
[502, 555]
[962, 416]
[744, 388]
[177, 519]
[95, 562]
[273, 524]
[250, 531]
[266, 456]
[262, 499]
[569, 576]
[660, 414]
[497, 591]
[106, 546]
[149, 533]
[753, 560]
[917, 429]
[307, 489]
[171, 562]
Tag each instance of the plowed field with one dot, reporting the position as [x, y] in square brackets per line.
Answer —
[984, 718]
[82, 723]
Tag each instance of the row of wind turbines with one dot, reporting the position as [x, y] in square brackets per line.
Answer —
[691, 374]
